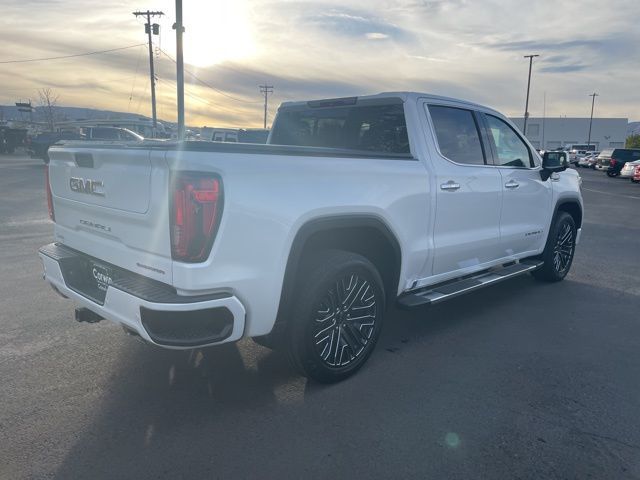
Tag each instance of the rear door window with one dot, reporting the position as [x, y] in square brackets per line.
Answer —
[105, 134]
[626, 155]
[457, 134]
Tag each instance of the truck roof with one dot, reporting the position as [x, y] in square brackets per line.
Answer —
[403, 96]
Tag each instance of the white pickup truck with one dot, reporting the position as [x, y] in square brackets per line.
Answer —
[355, 204]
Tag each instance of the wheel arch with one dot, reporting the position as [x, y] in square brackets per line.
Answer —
[572, 207]
[365, 234]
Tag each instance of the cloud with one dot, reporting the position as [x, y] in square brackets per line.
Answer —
[556, 59]
[355, 23]
[376, 36]
[563, 68]
[312, 49]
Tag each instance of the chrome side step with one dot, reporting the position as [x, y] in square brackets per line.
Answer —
[444, 291]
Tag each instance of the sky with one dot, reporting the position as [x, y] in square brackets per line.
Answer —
[469, 49]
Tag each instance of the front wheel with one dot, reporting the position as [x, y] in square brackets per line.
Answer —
[559, 249]
[336, 317]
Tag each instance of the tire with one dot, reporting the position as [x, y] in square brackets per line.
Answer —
[612, 174]
[323, 340]
[559, 249]
[634, 181]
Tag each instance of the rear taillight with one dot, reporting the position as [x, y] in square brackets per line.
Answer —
[196, 207]
[612, 162]
[52, 215]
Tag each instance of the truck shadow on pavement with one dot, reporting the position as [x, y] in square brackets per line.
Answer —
[198, 414]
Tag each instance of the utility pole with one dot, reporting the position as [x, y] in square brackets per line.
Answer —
[266, 89]
[151, 29]
[544, 118]
[593, 101]
[179, 28]
[526, 106]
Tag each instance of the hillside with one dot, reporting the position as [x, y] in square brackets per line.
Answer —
[10, 112]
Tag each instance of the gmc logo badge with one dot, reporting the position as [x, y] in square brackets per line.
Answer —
[88, 186]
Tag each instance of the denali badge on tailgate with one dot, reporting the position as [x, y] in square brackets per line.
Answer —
[91, 187]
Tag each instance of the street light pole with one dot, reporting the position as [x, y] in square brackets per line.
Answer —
[526, 105]
[593, 101]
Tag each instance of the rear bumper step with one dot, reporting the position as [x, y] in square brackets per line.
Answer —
[144, 307]
[438, 293]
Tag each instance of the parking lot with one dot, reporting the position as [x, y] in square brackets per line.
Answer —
[520, 380]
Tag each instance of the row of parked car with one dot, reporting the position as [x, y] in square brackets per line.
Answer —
[616, 162]
[38, 146]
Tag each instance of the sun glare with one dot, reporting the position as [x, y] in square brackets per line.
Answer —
[217, 31]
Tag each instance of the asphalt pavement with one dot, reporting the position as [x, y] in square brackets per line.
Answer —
[520, 380]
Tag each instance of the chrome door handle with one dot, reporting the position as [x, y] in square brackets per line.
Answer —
[512, 184]
[450, 186]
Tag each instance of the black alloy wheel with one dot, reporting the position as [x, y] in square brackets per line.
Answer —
[336, 317]
[559, 249]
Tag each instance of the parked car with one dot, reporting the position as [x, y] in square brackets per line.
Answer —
[577, 155]
[39, 145]
[301, 243]
[629, 169]
[110, 134]
[636, 175]
[612, 160]
[12, 138]
[588, 160]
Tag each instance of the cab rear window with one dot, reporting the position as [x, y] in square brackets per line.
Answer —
[376, 128]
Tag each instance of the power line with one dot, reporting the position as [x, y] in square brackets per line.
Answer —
[135, 78]
[221, 92]
[199, 98]
[70, 56]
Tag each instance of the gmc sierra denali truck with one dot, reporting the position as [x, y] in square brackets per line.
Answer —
[354, 204]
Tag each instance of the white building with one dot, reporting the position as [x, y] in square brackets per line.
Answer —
[551, 133]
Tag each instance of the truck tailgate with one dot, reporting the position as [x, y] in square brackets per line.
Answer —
[111, 203]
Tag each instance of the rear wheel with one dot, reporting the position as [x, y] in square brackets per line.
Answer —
[612, 174]
[559, 250]
[336, 317]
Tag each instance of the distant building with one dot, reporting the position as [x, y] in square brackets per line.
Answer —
[553, 132]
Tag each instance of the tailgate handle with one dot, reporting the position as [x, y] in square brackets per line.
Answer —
[84, 160]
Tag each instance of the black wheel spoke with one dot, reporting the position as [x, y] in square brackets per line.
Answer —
[563, 248]
[345, 320]
[353, 337]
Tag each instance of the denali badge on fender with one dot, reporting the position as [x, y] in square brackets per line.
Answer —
[91, 187]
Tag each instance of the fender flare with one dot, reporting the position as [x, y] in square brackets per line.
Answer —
[324, 223]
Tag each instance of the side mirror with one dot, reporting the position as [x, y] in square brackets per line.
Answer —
[553, 162]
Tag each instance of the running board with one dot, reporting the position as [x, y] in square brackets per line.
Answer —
[444, 291]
